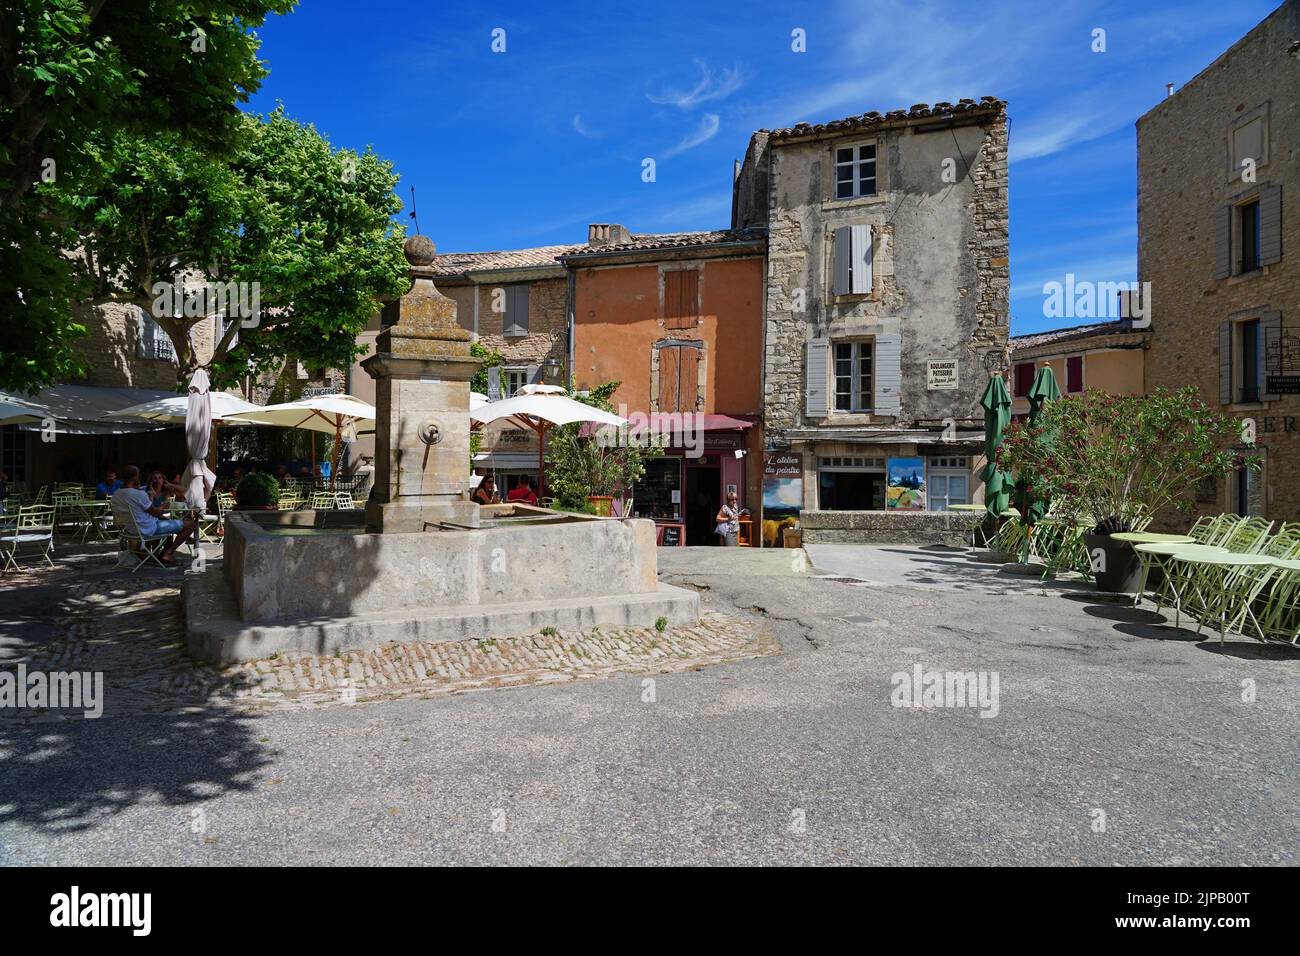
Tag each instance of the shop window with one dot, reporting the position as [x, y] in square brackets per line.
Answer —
[947, 482]
[659, 492]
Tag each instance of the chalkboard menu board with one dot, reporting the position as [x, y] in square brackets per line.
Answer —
[672, 536]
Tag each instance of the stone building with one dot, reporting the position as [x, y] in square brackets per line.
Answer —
[677, 319]
[1107, 356]
[1219, 241]
[887, 284]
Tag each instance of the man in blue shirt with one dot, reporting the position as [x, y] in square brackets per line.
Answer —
[109, 485]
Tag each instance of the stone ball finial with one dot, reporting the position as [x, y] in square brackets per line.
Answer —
[419, 250]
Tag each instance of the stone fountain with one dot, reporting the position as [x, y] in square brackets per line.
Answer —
[423, 562]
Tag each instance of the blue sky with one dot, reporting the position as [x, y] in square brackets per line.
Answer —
[525, 147]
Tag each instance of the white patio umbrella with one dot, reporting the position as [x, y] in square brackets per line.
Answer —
[176, 408]
[198, 478]
[541, 408]
[339, 415]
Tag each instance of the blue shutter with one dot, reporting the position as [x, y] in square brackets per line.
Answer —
[889, 375]
[860, 259]
[1270, 224]
[1223, 242]
[843, 243]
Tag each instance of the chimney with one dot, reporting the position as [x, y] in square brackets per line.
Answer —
[1169, 90]
[607, 234]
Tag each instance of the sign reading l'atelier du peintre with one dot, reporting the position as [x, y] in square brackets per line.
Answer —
[941, 373]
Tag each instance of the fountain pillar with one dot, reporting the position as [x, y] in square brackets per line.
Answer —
[421, 369]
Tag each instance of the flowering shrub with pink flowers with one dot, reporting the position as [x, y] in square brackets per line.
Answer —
[1116, 459]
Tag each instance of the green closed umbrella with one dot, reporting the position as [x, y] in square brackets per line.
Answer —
[996, 402]
[1043, 390]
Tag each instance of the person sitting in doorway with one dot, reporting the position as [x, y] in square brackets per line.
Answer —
[486, 492]
[133, 509]
[525, 492]
[106, 488]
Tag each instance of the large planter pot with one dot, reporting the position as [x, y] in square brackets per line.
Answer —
[1115, 564]
[604, 504]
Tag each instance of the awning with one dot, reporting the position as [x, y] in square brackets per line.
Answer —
[728, 423]
[675, 423]
[87, 409]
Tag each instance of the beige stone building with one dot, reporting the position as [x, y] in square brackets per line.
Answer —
[1107, 356]
[1219, 241]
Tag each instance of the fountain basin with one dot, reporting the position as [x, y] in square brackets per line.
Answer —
[317, 582]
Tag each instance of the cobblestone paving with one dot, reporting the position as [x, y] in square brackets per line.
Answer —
[132, 630]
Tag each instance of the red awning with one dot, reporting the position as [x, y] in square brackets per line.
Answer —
[672, 423]
[727, 423]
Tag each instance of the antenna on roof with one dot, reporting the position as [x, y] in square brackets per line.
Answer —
[413, 213]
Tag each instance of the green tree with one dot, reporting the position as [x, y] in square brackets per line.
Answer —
[72, 71]
[308, 227]
[596, 464]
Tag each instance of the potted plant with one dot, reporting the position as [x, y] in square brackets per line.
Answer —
[257, 492]
[1116, 461]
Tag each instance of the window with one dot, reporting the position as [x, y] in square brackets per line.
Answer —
[1249, 231]
[855, 171]
[515, 379]
[947, 482]
[153, 342]
[1074, 374]
[679, 376]
[1024, 379]
[853, 367]
[853, 255]
[515, 319]
[681, 298]
[1248, 341]
[851, 484]
[13, 452]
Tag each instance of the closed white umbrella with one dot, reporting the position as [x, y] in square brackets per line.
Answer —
[339, 415]
[198, 478]
[541, 408]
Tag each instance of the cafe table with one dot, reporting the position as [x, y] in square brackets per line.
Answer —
[1160, 553]
[93, 515]
[1217, 567]
[1135, 538]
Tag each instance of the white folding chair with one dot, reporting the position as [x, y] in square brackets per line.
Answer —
[33, 530]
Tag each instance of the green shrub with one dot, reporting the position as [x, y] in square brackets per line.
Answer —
[258, 489]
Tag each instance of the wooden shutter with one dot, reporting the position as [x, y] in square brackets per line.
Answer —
[681, 298]
[534, 374]
[1270, 334]
[889, 375]
[1225, 363]
[516, 318]
[1270, 224]
[817, 373]
[1223, 242]
[1074, 373]
[688, 379]
[670, 359]
[842, 251]
[494, 383]
[860, 259]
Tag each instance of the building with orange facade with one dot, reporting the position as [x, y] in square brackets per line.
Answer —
[677, 319]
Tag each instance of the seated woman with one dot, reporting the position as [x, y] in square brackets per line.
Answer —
[133, 510]
[160, 489]
[486, 492]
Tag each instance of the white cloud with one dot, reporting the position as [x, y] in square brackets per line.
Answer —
[581, 128]
[711, 86]
[707, 129]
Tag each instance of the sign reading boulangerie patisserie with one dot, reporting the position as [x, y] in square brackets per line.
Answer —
[941, 374]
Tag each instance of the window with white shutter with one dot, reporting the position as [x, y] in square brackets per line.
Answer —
[853, 255]
[515, 320]
[816, 373]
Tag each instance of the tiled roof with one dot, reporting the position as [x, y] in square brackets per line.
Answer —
[650, 241]
[990, 105]
[1054, 336]
[458, 263]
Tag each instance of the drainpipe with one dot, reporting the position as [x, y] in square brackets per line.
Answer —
[569, 306]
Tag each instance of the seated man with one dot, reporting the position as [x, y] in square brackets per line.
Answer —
[109, 486]
[525, 492]
[134, 511]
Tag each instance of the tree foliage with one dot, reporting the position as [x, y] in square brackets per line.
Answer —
[77, 71]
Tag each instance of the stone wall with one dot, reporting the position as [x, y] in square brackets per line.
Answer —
[940, 265]
[546, 324]
[111, 349]
[886, 527]
[1183, 179]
